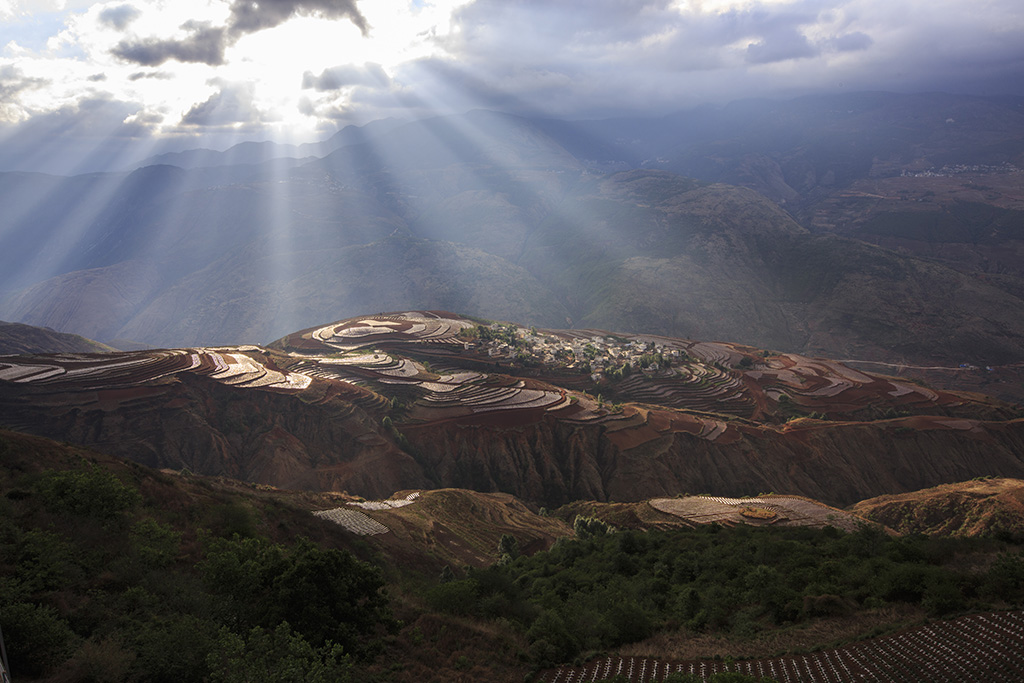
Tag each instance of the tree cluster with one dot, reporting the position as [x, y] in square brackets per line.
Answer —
[95, 584]
[605, 590]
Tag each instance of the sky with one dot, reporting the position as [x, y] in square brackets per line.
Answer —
[133, 76]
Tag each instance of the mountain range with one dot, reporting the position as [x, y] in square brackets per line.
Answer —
[865, 226]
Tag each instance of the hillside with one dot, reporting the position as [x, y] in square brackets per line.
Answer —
[17, 338]
[380, 403]
[983, 507]
[113, 570]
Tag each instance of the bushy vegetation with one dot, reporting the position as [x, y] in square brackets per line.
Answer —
[100, 583]
[606, 590]
[505, 333]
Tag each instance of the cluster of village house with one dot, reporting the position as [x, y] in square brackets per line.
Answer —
[601, 353]
[958, 169]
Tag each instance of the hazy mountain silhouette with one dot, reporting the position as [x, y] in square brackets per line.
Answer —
[467, 211]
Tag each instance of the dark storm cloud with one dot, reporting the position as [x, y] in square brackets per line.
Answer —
[231, 104]
[338, 77]
[119, 17]
[206, 44]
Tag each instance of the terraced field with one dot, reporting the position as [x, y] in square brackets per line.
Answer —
[357, 522]
[785, 511]
[709, 379]
[705, 377]
[981, 648]
[401, 384]
[698, 387]
[418, 327]
[233, 366]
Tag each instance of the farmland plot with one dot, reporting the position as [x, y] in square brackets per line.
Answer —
[353, 520]
[981, 648]
[789, 511]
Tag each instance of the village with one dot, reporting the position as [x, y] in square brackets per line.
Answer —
[599, 355]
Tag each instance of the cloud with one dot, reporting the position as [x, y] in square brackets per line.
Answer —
[850, 42]
[338, 77]
[778, 48]
[609, 57]
[13, 82]
[249, 16]
[232, 104]
[206, 44]
[119, 17]
[560, 58]
[158, 75]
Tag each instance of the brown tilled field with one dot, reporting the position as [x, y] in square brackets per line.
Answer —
[789, 511]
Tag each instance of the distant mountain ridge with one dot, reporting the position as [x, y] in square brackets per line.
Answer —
[459, 212]
[248, 153]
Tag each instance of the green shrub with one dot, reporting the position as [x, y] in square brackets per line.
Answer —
[153, 543]
[325, 594]
[589, 527]
[173, 648]
[36, 637]
[279, 654]
[93, 492]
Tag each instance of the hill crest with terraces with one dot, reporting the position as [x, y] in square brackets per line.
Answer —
[426, 399]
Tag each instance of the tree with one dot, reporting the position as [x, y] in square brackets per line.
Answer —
[278, 654]
[93, 492]
[508, 548]
[324, 594]
[589, 527]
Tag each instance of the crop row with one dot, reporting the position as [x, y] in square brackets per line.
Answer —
[353, 520]
[696, 387]
[977, 648]
[389, 504]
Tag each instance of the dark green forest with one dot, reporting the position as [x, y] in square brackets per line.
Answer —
[608, 589]
[103, 578]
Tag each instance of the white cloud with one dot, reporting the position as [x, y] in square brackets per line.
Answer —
[232, 104]
[306, 63]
